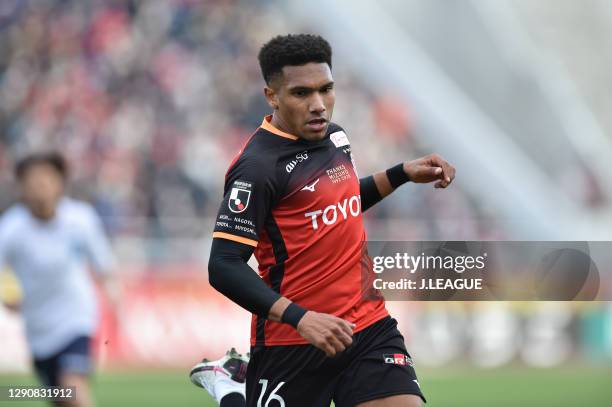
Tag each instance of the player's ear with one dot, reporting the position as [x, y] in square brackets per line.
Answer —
[271, 97]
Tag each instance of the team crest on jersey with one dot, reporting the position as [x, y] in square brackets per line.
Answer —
[239, 196]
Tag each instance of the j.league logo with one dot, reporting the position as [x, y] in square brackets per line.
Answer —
[239, 200]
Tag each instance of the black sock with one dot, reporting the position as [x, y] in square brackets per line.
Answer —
[233, 400]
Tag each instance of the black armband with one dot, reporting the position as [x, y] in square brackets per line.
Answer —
[369, 193]
[293, 314]
[397, 176]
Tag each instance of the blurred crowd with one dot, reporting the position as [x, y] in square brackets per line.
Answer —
[150, 99]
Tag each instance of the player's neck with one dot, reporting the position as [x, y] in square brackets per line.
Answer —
[279, 123]
[44, 217]
[43, 213]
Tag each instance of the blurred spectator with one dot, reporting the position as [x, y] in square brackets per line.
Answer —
[150, 100]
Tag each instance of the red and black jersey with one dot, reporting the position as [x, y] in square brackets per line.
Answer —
[297, 202]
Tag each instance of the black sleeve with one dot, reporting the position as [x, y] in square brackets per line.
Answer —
[369, 193]
[249, 192]
[229, 273]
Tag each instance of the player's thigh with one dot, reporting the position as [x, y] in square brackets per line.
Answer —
[75, 366]
[76, 359]
[292, 376]
[47, 371]
[380, 369]
[402, 400]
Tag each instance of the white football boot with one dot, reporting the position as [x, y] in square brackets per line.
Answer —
[223, 376]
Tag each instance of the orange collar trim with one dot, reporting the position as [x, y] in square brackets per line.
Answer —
[266, 125]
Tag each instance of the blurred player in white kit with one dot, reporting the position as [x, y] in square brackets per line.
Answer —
[48, 240]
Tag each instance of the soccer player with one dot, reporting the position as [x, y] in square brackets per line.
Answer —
[293, 197]
[47, 239]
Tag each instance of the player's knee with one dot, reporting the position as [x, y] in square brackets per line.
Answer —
[407, 401]
[414, 402]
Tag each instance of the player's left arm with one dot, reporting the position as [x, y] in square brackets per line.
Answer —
[431, 168]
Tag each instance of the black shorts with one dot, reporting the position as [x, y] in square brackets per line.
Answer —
[375, 366]
[73, 358]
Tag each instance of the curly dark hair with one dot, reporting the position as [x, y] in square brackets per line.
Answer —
[292, 49]
[53, 159]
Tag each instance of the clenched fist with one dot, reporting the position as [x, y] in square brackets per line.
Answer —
[430, 168]
[326, 332]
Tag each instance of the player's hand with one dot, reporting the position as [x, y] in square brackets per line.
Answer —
[326, 332]
[430, 168]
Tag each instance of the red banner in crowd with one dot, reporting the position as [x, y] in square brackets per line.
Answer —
[173, 318]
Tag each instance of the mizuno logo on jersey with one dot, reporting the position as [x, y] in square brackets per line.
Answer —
[310, 187]
[333, 213]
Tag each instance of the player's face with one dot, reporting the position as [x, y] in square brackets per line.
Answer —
[41, 188]
[303, 98]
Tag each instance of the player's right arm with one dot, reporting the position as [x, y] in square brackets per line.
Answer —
[249, 194]
[230, 274]
[10, 292]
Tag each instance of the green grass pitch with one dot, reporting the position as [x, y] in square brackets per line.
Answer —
[568, 386]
